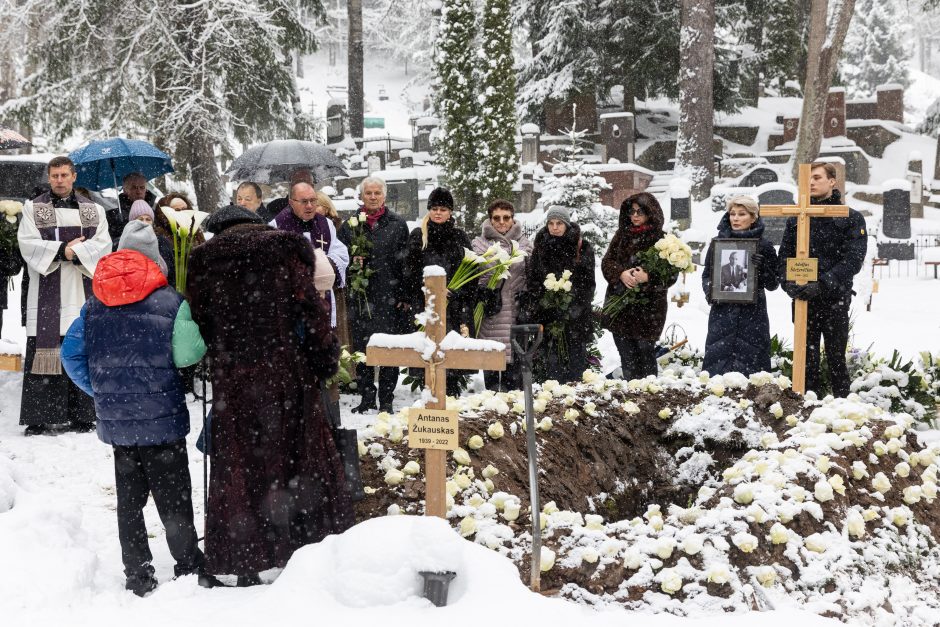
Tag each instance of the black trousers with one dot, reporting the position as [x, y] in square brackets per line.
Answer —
[162, 471]
[52, 399]
[828, 320]
[365, 381]
[637, 357]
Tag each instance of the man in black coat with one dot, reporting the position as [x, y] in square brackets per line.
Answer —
[839, 244]
[383, 308]
[134, 187]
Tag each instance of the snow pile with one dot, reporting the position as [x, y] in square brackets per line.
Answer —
[689, 493]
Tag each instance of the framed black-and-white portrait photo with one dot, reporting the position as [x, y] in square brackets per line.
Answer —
[734, 279]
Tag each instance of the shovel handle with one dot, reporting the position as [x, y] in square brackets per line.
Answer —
[530, 336]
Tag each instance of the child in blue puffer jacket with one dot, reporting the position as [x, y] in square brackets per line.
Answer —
[124, 350]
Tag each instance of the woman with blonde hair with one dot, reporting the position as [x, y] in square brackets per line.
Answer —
[739, 333]
[439, 242]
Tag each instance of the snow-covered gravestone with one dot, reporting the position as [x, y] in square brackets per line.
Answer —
[896, 221]
[618, 136]
[775, 194]
[680, 203]
[915, 174]
[530, 143]
[436, 353]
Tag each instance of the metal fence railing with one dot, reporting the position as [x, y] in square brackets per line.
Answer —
[916, 267]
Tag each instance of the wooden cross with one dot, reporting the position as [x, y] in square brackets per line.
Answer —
[803, 211]
[435, 378]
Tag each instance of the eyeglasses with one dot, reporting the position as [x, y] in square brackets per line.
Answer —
[501, 219]
[636, 212]
[305, 201]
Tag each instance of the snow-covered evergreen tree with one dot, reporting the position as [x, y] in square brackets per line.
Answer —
[186, 75]
[873, 52]
[457, 105]
[577, 186]
[498, 164]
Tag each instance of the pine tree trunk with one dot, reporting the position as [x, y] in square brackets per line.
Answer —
[826, 35]
[356, 110]
[694, 143]
[629, 95]
[205, 173]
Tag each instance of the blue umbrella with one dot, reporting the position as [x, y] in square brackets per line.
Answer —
[101, 164]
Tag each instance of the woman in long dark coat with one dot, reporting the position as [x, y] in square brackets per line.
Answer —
[439, 242]
[277, 481]
[10, 260]
[739, 333]
[638, 327]
[559, 247]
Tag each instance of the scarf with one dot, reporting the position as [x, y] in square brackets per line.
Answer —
[373, 218]
[643, 228]
[47, 360]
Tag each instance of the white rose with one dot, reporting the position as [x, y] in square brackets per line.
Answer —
[547, 559]
[744, 493]
[664, 547]
[912, 494]
[411, 468]
[859, 471]
[838, 484]
[462, 480]
[765, 575]
[633, 559]
[590, 555]
[362, 216]
[461, 456]
[815, 543]
[822, 464]
[671, 581]
[855, 524]
[903, 469]
[776, 410]
[353, 222]
[718, 573]
[594, 522]
[511, 510]
[545, 424]
[692, 544]
[394, 477]
[495, 430]
[881, 483]
[665, 413]
[475, 443]
[490, 471]
[779, 534]
[468, 527]
[572, 414]
[744, 541]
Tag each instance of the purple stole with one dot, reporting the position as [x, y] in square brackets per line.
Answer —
[47, 360]
[317, 228]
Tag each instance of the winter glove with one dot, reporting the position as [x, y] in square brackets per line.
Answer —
[792, 289]
[809, 291]
[709, 299]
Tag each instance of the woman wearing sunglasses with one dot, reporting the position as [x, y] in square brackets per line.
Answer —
[501, 228]
[637, 329]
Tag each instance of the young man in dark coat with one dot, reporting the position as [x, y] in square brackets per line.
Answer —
[383, 309]
[637, 328]
[739, 333]
[124, 350]
[559, 247]
[840, 245]
[277, 481]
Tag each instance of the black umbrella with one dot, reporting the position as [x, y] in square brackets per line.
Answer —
[10, 139]
[274, 161]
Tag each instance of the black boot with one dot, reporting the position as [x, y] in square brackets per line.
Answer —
[208, 581]
[35, 430]
[245, 581]
[364, 406]
[81, 427]
[141, 584]
[386, 407]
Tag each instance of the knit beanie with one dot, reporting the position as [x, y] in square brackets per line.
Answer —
[557, 212]
[140, 208]
[441, 197]
[140, 236]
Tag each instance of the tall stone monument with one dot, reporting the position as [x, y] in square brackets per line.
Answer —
[618, 135]
[915, 174]
[896, 221]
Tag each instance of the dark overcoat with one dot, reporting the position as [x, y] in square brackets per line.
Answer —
[552, 254]
[446, 244]
[277, 481]
[10, 260]
[738, 333]
[386, 291]
[640, 321]
[839, 245]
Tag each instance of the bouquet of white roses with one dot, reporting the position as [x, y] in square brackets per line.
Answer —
[557, 298]
[499, 271]
[360, 248]
[663, 262]
[184, 226]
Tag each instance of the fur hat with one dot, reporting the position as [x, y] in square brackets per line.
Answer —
[441, 197]
[230, 216]
[557, 212]
[140, 236]
[140, 208]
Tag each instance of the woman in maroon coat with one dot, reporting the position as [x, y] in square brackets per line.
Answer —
[277, 482]
[637, 329]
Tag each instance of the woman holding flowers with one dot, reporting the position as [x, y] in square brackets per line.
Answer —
[739, 333]
[500, 228]
[10, 260]
[635, 289]
[439, 242]
[559, 292]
